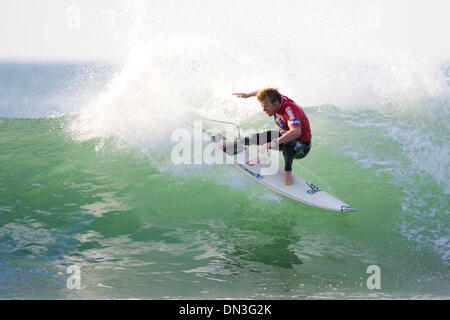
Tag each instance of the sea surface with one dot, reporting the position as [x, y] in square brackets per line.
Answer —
[87, 178]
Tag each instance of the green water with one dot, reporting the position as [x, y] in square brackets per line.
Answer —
[139, 229]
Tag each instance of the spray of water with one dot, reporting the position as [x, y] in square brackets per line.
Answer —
[186, 58]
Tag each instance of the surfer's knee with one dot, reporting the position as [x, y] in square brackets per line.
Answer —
[294, 150]
[302, 149]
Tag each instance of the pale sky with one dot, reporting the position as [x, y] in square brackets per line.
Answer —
[53, 30]
[74, 30]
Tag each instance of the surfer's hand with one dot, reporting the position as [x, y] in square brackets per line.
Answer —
[243, 95]
[265, 147]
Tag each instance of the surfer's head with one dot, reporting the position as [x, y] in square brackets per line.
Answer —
[270, 100]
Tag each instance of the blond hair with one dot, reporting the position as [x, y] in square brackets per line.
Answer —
[271, 93]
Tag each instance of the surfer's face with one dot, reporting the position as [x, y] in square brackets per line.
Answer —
[270, 108]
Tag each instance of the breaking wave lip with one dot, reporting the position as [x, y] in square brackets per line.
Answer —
[193, 65]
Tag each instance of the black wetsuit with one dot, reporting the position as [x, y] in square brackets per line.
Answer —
[293, 149]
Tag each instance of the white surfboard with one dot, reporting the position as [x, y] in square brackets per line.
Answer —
[255, 165]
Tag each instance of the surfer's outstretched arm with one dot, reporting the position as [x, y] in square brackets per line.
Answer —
[246, 95]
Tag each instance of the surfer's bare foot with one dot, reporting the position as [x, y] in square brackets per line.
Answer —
[288, 178]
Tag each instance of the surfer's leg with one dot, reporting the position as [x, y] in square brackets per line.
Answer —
[294, 150]
[261, 138]
[288, 149]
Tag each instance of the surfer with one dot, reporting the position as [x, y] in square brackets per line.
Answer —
[294, 136]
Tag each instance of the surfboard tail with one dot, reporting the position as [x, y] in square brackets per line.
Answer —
[348, 209]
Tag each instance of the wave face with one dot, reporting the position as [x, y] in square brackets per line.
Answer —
[87, 179]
